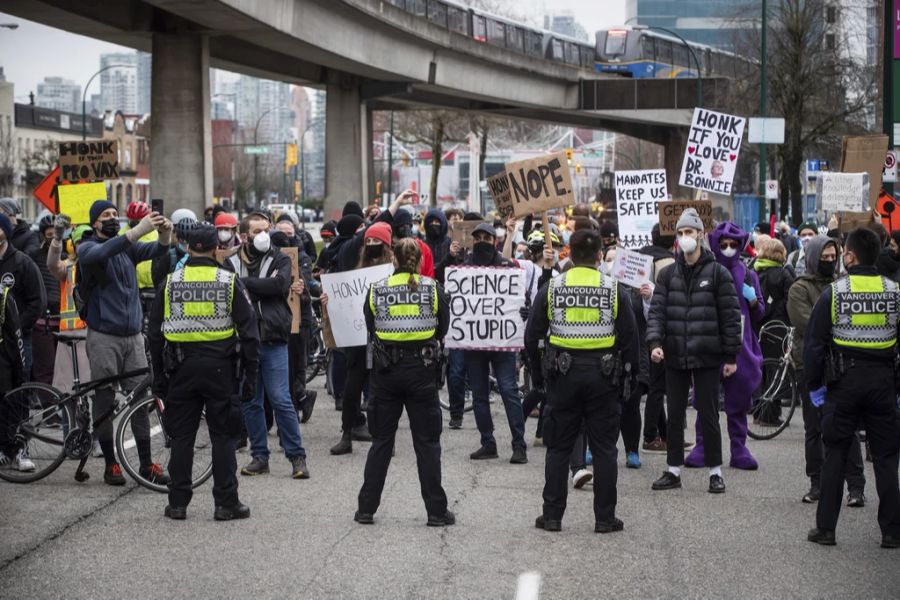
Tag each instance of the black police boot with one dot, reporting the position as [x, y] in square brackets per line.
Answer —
[345, 446]
[485, 452]
[360, 433]
[448, 518]
[364, 518]
[228, 513]
[824, 537]
[610, 526]
[890, 541]
[177, 513]
[547, 524]
[519, 456]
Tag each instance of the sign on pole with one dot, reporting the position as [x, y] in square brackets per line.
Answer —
[637, 196]
[714, 143]
[499, 187]
[842, 191]
[45, 192]
[89, 160]
[766, 131]
[256, 150]
[484, 308]
[771, 189]
[539, 184]
[632, 268]
[347, 293]
[889, 172]
[670, 211]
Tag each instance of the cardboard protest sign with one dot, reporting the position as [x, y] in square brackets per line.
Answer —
[670, 211]
[850, 220]
[499, 187]
[294, 299]
[75, 199]
[632, 268]
[714, 143]
[347, 293]
[637, 195]
[484, 308]
[865, 154]
[539, 184]
[89, 160]
[842, 191]
[461, 232]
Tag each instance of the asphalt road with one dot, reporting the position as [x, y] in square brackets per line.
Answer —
[61, 539]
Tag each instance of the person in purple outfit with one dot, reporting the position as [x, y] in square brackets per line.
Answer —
[726, 242]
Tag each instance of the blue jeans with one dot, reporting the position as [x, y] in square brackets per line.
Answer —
[272, 381]
[456, 382]
[478, 363]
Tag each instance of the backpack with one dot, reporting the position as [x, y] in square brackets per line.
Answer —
[81, 292]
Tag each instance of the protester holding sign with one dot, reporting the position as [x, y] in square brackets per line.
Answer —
[694, 324]
[406, 316]
[479, 362]
[592, 354]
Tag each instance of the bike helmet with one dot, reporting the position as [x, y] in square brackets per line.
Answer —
[184, 227]
[46, 222]
[137, 210]
[182, 214]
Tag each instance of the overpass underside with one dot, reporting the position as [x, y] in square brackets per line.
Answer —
[368, 57]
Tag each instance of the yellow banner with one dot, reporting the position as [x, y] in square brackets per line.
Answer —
[75, 199]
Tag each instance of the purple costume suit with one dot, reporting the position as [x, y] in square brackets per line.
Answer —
[740, 386]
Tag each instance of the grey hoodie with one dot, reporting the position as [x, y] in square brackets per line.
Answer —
[805, 292]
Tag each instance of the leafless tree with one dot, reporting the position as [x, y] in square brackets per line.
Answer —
[7, 157]
[432, 128]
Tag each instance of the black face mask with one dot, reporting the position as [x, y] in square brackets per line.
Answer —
[404, 231]
[110, 227]
[826, 268]
[434, 230]
[483, 253]
[374, 251]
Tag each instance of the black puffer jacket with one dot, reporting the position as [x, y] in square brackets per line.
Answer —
[694, 314]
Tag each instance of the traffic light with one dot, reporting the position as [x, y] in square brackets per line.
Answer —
[569, 152]
[578, 168]
[405, 159]
[297, 188]
[378, 188]
[290, 155]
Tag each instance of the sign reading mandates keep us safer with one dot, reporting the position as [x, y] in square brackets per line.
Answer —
[484, 307]
[711, 155]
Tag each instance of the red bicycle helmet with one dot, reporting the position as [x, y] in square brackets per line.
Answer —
[137, 210]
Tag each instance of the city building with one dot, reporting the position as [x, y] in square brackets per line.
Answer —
[713, 22]
[118, 83]
[314, 148]
[123, 129]
[565, 24]
[59, 94]
[224, 156]
[144, 78]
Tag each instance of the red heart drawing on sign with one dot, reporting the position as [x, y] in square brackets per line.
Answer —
[732, 157]
[690, 149]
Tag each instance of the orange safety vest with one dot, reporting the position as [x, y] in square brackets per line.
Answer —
[68, 314]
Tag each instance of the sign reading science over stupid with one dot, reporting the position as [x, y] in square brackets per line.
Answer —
[711, 156]
[484, 307]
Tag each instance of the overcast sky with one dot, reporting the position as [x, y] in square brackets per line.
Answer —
[33, 51]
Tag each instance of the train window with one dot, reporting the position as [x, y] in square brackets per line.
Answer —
[533, 43]
[416, 7]
[681, 55]
[664, 51]
[496, 33]
[571, 53]
[479, 31]
[457, 20]
[437, 12]
[587, 56]
[515, 39]
[648, 47]
[616, 41]
[556, 50]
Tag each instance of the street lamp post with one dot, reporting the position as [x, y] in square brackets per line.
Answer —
[690, 50]
[763, 106]
[256, 156]
[84, 97]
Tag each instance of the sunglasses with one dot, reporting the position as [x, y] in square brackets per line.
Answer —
[728, 244]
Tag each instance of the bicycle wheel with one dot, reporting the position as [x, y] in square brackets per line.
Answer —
[43, 424]
[316, 355]
[778, 393]
[143, 423]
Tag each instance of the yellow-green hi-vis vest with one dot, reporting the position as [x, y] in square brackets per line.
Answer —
[864, 312]
[198, 301]
[582, 306]
[401, 314]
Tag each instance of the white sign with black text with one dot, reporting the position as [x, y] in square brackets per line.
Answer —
[632, 268]
[347, 294]
[714, 143]
[637, 194]
[484, 307]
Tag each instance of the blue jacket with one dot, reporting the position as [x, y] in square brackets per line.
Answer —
[114, 306]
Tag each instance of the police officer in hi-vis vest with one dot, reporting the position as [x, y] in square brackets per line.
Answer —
[589, 360]
[407, 315]
[203, 341]
[849, 357]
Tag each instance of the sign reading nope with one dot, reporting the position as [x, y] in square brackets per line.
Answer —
[539, 184]
[89, 160]
[714, 143]
[484, 308]
[670, 211]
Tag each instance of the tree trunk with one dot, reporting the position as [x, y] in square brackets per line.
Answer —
[437, 144]
[483, 155]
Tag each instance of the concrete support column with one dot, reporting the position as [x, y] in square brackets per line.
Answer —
[348, 145]
[675, 142]
[180, 138]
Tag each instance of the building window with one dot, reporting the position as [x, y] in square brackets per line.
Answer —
[830, 14]
[829, 41]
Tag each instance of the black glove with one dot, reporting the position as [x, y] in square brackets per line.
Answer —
[524, 312]
[248, 391]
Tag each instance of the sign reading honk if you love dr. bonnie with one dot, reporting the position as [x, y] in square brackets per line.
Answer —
[711, 156]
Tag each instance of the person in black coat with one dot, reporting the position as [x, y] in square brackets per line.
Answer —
[23, 238]
[694, 324]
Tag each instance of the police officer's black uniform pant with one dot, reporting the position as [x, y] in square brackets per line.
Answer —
[581, 396]
[203, 382]
[864, 396]
[815, 451]
[409, 384]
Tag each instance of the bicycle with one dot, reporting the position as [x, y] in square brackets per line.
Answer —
[778, 389]
[53, 426]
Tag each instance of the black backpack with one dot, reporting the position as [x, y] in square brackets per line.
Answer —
[81, 292]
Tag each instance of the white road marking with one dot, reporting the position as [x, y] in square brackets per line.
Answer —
[529, 587]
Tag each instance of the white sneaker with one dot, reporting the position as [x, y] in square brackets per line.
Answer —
[96, 450]
[581, 477]
[4, 459]
[23, 463]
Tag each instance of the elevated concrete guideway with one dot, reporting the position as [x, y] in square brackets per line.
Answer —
[368, 54]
